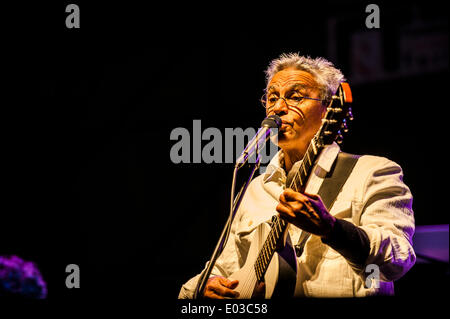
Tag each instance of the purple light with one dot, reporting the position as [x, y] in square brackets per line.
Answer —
[432, 241]
[21, 278]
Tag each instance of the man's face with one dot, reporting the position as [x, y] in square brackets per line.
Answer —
[302, 121]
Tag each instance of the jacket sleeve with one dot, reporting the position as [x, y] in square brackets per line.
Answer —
[386, 216]
[350, 241]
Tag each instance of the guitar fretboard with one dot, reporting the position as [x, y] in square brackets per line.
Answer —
[279, 226]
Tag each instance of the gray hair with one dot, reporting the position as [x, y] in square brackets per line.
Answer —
[326, 75]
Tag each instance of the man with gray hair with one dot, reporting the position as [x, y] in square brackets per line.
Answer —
[369, 226]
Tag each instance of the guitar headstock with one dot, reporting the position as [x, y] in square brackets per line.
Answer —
[335, 121]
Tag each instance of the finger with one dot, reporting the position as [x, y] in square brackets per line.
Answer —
[314, 199]
[291, 211]
[296, 206]
[303, 204]
[211, 294]
[312, 196]
[288, 192]
[310, 211]
[285, 212]
[291, 195]
[282, 198]
[283, 195]
[225, 286]
[293, 204]
[228, 283]
[225, 292]
[296, 203]
[233, 284]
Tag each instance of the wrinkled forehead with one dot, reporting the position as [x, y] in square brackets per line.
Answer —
[290, 79]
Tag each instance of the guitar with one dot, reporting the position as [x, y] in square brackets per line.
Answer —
[271, 258]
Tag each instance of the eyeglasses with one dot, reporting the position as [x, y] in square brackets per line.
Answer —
[292, 101]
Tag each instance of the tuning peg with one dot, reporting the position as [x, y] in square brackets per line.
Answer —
[344, 126]
[350, 114]
[329, 121]
[335, 110]
[339, 138]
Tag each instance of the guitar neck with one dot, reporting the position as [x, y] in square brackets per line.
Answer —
[338, 111]
[279, 226]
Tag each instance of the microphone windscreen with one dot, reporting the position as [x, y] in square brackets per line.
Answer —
[272, 121]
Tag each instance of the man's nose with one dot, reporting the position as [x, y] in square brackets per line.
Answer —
[281, 107]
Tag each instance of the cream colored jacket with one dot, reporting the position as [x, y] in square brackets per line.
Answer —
[373, 198]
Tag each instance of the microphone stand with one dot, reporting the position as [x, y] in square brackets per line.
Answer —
[234, 206]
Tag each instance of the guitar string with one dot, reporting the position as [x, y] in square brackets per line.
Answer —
[249, 283]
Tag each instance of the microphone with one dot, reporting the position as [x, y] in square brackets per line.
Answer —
[258, 141]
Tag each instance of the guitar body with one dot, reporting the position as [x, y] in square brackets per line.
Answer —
[281, 273]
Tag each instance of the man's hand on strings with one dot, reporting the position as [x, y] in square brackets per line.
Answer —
[306, 211]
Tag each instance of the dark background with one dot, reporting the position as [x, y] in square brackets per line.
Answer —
[87, 115]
